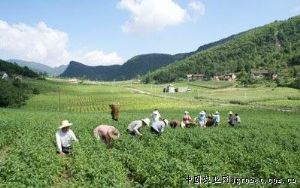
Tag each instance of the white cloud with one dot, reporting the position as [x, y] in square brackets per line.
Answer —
[45, 45]
[96, 57]
[39, 43]
[197, 7]
[151, 15]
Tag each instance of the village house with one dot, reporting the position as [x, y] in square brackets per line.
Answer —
[226, 77]
[192, 77]
[3, 75]
[259, 74]
[169, 89]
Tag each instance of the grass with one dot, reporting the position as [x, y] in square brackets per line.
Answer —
[265, 145]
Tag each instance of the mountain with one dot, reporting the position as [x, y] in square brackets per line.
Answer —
[138, 65]
[13, 69]
[40, 68]
[134, 67]
[275, 47]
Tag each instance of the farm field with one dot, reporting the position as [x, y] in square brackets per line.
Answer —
[265, 145]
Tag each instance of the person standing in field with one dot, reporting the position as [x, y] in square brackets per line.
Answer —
[115, 111]
[159, 126]
[216, 118]
[135, 126]
[155, 116]
[232, 120]
[202, 119]
[106, 133]
[64, 137]
[187, 119]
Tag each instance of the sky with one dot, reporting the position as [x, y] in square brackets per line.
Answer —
[106, 32]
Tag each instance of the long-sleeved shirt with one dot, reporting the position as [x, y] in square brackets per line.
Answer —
[135, 126]
[217, 118]
[201, 118]
[64, 139]
[232, 120]
[155, 116]
[158, 126]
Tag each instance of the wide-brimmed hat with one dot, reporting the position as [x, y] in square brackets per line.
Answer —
[147, 121]
[230, 113]
[166, 121]
[202, 112]
[216, 112]
[64, 123]
[186, 112]
[114, 134]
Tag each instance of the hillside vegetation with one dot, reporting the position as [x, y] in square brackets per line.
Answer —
[14, 92]
[275, 47]
[134, 67]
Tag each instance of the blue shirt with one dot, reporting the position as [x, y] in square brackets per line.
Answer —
[217, 118]
[158, 126]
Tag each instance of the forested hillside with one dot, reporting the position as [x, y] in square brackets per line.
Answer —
[275, 47]
[13, 90]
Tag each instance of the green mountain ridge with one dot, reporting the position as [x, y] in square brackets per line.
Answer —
[135, 67]
[275, 47]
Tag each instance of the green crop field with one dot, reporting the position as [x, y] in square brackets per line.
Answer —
[265, 145]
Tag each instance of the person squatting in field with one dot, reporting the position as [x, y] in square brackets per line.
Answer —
[135, 126]
[159, 126]
[232, 119]
[106, 133]
[186, 119]
[201, 119]
[64, 137]
[115, 111]
[216, 118]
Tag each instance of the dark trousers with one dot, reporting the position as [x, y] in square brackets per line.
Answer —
[66, 150]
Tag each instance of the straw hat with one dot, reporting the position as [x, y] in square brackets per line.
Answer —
[64, 123]
[147, 121]
[202, 113]
[230, 113]
[216, 112]
[186, 112]
[166, 121]
[114, 134]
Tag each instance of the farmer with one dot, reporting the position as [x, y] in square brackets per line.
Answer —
[155, 116]
[238, 119]
[216, 118]
[136, 125]
[202, 119]
[115, 111]
[176, 124]
[232, 119]
[64, 137]
[186, 119]
[159, 126]
[106, 133]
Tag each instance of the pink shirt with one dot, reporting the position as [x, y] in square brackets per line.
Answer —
[103, 130]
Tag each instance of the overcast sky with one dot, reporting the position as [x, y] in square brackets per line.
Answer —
[105, 32]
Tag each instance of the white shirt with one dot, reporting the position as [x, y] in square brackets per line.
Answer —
[64, 139]
[134, 126]
[155, 116]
